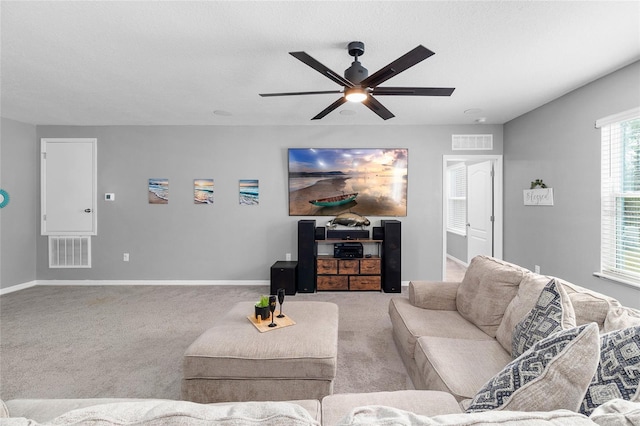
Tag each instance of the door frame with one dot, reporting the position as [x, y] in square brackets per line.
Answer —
[497, 201]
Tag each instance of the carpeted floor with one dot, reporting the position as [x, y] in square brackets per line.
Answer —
[128, 341]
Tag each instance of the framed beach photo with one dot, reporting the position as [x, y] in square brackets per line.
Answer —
[327, 182]
[249, 192]
[158, 191]
[203, 191]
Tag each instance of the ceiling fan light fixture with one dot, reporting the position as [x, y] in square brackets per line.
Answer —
[355, 94]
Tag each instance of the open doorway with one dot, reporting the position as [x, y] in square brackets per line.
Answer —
[472, 210]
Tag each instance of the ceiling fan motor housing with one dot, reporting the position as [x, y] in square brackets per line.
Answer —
[356, 73]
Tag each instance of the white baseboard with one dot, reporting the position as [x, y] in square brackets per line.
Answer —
[458, 261]
[151, 282]
[29, 284]
[18, 287]
[23, 286]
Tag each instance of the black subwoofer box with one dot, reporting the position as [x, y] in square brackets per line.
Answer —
[283, 275]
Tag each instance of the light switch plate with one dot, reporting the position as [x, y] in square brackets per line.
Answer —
[109, 196]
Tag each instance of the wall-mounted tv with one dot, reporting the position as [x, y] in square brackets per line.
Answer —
[327, 182]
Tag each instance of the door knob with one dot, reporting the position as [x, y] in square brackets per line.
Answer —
[87, 210]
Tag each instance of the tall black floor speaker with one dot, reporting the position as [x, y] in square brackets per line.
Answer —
[306, 282]
[391, 256]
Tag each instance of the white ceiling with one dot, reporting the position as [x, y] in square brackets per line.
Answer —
[161, 62]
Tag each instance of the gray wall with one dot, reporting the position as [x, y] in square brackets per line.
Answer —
[18, 220]
[559, 144]
[457, 246]
[226, 241]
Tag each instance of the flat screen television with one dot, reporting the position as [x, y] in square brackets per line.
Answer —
[330, 181]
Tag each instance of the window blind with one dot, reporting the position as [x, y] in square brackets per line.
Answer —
[620, 197]
[457, 199]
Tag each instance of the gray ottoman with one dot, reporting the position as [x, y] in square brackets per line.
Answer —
[233, 361]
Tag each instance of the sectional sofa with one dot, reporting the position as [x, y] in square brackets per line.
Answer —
[458, 337]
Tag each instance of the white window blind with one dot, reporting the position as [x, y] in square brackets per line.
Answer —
[457, 199]
[620, 197]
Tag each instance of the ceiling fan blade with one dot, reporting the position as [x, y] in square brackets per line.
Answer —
[413, 91]
[322, 92]
[405, 61]
[322, 69]
[330, 108]
[377, 107]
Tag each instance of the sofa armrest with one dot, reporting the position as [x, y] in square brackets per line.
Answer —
[436, 295]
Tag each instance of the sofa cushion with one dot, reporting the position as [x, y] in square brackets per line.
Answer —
[459, 366]
[410, 322]
[617, 412]
[552, 312]
[525, 299]
[436, 295]
[618, 372]
[486, 290]
[4, 412]
[383, 415]
[422, 402]
[553, 374]
[589, 306]
[46, 409]
[620, 317]
[183, 412]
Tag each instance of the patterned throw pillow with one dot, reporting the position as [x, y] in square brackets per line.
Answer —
[553, 374]
[618, 373]
[552, 312]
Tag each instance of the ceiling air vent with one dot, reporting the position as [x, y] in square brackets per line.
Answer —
[69, 252]
[472, 142]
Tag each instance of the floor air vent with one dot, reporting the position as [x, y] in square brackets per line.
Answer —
[69, 252]
[472, 142]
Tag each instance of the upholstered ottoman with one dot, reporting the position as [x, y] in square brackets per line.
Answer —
[233, 361]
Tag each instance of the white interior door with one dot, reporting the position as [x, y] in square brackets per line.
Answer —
[68, 185]
[479, 210]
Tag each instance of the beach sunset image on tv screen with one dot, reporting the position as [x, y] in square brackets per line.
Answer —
[326, 182]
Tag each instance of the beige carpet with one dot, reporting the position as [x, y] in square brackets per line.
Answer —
[128, 341]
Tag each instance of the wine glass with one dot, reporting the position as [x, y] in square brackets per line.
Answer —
[272, 308]
[281, 301]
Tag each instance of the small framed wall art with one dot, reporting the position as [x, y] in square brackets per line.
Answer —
[249, 191]
[158, 191]
[203, 191]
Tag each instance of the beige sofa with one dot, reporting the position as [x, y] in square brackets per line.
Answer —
[456, 336]
[411, 407]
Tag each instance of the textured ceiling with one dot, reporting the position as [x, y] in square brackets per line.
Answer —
[159, 62]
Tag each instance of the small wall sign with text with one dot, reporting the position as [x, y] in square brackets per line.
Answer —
[538, 197]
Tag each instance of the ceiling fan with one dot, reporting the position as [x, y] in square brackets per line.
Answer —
[358, 86]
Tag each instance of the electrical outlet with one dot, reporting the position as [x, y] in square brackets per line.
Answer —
[287, 257]
[536, 269]
[125, 257]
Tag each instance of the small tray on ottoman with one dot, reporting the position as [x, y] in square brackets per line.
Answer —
[263, 325]
[231, 362]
